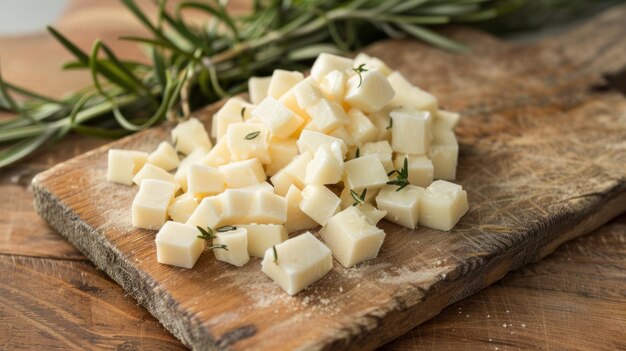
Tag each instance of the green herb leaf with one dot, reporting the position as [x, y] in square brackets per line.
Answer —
[275, 254]
[358, 199]
[252, 135]
[402, 179]
[359, 70]
[206, 234]
[226, 228]
[243, 111]
[218, 246]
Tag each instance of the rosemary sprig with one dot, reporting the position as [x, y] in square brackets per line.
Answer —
[206, 234]
[402, 176]
[252, 135]
[275, 254]
[358, 199]
[218, 246]
[359, 70]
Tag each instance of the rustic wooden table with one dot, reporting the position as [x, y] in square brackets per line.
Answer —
[52, 297]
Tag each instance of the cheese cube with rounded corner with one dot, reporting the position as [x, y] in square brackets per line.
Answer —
[280, 120]
[208, 214]
[307, 93]
[282, 182]
[326, 167]
[382, 120]
[243, 173]
[333, 85]
[410, 96]
[296, 219]
[372, 214]
[296, 169]
[311, 140]
[219, 154]
[326, 63]
[177, 244]
[263, 236]
[383, 150]
[298, 263]
[245, 206]
[371, 64]
[360, 127]
[190, 135]
[365, 172]
[444, 153]
[327, 116]
[270, 208]
[234, 111]
[257, 88]
[351, 238]
[204, 181]
[165, 156]
[248, 140]
[289, 101]
[411, 132]
[124, 164]
[282, 81]
[420, 168]
[402, 206]
[149, 208]
[442, 205]
[446, 119]
[348, 200]
[342, 133]
[319, 203]
[236, 250]
[150, 171]
[282, 151]
[369, 92]
[182, 207]
[263, 186]
[181, 173]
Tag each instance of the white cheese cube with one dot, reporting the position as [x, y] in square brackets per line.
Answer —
[182, 207]
[372, 214]
[327, 116]
[149, 208]
[190, 135]
[310, 141]
[280, 120]
[236, 251]
[149, 171]
[208, 214]
[383, 150]
[307, 93]
[410, 96]
[365, 172]
[319, 203]
[263, 236]
[296, 169]
[402, 206]
[333, 85]
[282, 151]
[296, 219]
[178, 245]
[263, 186]
[442, 205]
[165, 156]
[282, 182]
[369, 92]
[411, 131]
[446, 119]
[219, 154]
[444, 153]
[234, 111]
[342, 133]
[248, 140]
[351, 238]
[326, 167]
[299, 262]
[326, 63]
[360, 127]
[347, 199]
[282, 81]
[243, 173]
[372, 64]
[244, 206]
[270, 208]
[257, 88]
[204, 181]
[181, 173]
[289, 101]
[124, 164]
[382, 120]
[420, 168]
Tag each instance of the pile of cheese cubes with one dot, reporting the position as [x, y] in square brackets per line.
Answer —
[329, 144]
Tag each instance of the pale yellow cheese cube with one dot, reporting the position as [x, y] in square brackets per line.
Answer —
[442, 205]
[365, 172]
[311, 140]
[327, 116]
[326, 63]
[360, 127]
[257, 88]
[420, 168]
[182, 207]
[165, 156]
[190, 135]
[149, 208]
[208, 214]
[307, 93]
[282, 151]
[410, 96]
[282, 81]
[244, 206]
[444, 153]
[298, 262]
[383, 150]
[124, 164]
[402, 206]
[204, 181]
[270, 208]
[236, 250]
[296, 169]
[371, 64]
[177, 244]
[243, 173]
[290, 101]
[181, 173]
[149, 171]
[333, 85]
[351, 238]
[263, 236]
[282, 182]
[369, 92]
[280, 120]
[372, 214]
[411, 132]
[348, 200]
[219, 154]
[263, 186]
[326, 167]
[234, 111]
[296, 219]
[382, 120]
[248, 140]
[319, 203]
[446, 119]
[342, 133]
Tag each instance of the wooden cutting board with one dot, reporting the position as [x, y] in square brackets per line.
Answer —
[543, 158]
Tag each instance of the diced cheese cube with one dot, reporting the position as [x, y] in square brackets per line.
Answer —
[411, 131]
[149, 171]
[348, 200]
[190, 135]
[257, 88]
[204, 181]
[280, 120]
[149, 208]
[296, 219]
[326, 63]
[282, 151]
[165, 156]
[383, 150]
[420, 168]
[333, 85]
[296, 169]
[282, 182]
[236, 251]
[371, 64]
[181, 173]
[263, 186]
[365, 172]
[444, 153]
[369, 92]
[298, 263]
[402, 206]
[442, 205]
[410, 96]
[326, 167]
[310, 141]
[243, 173]
[244, 206]
[327, 116]
[233, 111]
[282, 81]
[124, 164]
[360, 127]
[219, 154]
[382, 120]
[270, 208]
[319, 203]
[289, 101]
[208, 214]
[446, 119]
[177, 244]
[263, 236]
[248, 140]
[182, 207]
[307, 93]
[342, 133]
[372, 214]
[351, 238]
